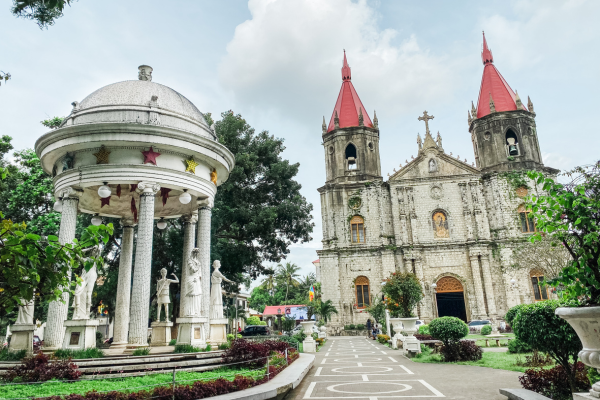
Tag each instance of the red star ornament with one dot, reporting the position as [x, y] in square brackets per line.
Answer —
[105, 201]
[150, 156]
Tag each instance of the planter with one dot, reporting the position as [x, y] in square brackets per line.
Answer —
[410, 326]
[586, 323]
[308, 327]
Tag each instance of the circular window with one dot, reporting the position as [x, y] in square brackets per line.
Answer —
[371, 147]
[487, 136]
[330, 149]
[354, 202]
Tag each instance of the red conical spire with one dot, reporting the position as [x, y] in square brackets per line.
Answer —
[494, 87]
[348, 106]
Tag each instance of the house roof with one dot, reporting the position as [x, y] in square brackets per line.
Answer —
[494, 87]
[348, 106]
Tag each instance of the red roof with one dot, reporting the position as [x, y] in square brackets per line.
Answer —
[494, 85]
[272, 310]
[348, 105]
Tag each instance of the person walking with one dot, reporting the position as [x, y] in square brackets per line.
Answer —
[369, 328]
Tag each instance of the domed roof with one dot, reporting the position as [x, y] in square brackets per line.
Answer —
[140, 101]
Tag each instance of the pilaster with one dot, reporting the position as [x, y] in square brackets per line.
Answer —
[466, 211]
[480, 312]
[489, 286]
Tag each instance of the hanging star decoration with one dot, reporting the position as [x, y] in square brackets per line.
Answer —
[105, 201]
[134, 210]
[150, 156]
[191, 165]
[119, 190]
[102, 155]
[133, 187]
[164, 193]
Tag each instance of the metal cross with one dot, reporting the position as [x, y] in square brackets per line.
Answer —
[426, 118]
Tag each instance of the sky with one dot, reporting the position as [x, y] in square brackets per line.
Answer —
[277, 62]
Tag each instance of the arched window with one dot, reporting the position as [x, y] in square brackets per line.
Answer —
[440, 225]
[351, 156]
[357, 229]
[362, 292]
[540, 290]
[512, 144]
[527, 223]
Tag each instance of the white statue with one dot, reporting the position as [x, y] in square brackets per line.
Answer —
[193, 286]
[25, 316]
[216, 295]
[82, 299]
[162, 293]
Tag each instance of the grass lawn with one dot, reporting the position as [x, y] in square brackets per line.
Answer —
[480, 339]
[129, 384]
[504, 361]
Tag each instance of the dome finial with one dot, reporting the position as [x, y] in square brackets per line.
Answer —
[145, 73]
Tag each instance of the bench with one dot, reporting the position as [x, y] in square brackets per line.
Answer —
[522, 394]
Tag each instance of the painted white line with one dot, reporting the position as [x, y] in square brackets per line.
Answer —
[434, 390]
[326, 354]
[407, 370]
[392, 359]
[309, 390]
[323, 362]
[318, 373]
[372, 398]
[359, 364]
[383, 352]
[365, 378]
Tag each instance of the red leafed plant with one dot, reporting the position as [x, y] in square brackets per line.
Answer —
[554, 382]
[40, 368]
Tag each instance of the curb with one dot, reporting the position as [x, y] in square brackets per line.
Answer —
[279, 386]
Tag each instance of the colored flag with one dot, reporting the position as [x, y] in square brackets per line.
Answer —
[311, 293]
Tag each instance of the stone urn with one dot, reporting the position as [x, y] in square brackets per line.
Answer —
[398, 327]
[308, 327]
[586, 323]
[410, 326]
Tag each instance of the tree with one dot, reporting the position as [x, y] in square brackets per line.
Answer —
[269, 283]
[448, 329]
[325, 309]
[43, 12]
[53, 123]
[571, 214]
[403, 292]
[288, 274]
[259, 211]
[4, 76]
[260, 298]
[546, 254]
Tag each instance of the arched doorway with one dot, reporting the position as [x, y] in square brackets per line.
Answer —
[450, 298]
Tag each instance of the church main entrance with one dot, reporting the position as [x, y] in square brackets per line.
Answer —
[450, 298]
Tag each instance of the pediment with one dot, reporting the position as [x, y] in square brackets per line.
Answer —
[433, 163]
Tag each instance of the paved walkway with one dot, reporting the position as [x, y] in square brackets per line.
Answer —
[357, 368]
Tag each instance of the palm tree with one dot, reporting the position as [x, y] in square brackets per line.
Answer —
[306, 282]
[325, 309]
[269, 283]
[288, 274]
[235, 311]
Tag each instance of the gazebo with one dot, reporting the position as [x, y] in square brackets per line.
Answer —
[142, 152]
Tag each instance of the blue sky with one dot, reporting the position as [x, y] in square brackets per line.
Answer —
[277, 62]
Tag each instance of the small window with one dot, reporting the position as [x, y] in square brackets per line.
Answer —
[362, 292]
[512, 145]
[351, 156]
[540, 290]
[527, 222]
[357, 229]
[440, 225]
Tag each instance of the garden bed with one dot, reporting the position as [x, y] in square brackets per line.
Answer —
[495, 360]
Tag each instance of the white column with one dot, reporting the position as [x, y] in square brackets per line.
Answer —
[121, 327]
[489, 287]
[189, 241]
[203, 243]
[140, 295]
[478, 286]
[57, 310]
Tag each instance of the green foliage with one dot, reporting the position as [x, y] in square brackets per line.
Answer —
[231, 336]
[53, 123]
[360, 327]
[424, 330]
[172, 342]
[486, 330]
[144, 351]
[288, 323]
[4, 76]
[325, 309]
[511, 314]
[593, 375]
[224, 346]
[300, 336]
[571, 214]
[516, 179]
[8, 355]
[78, 354]
[253, 320]
[448, 329]
[517, 346]
[383, 339]
[187, 348]
[403, 292]
[377, 310]
[537, 325]
[43, 12]
[259, 211]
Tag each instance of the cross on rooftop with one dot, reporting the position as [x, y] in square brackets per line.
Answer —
[426, 117]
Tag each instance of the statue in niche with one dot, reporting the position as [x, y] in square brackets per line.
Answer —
[432, 165]
[68, 161]
[216, 295]
[193, 286]
[213, 176]
[25, 316]
[82, 299]
[440, 225]
[162, 293]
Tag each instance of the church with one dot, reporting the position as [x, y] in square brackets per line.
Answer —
[453, 224]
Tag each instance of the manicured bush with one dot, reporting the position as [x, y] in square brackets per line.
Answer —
[448, 329]
[424, 337]
[518, 346]
[188, 348]
[424, 330]
[173, 342]
[464, 350]
[39, 369]
[247, 353]
[486, 330]
[9, 355]
[142, 351]
[79, 354]
[554, 382]
[403, 292]
[360, 327]
[351, 326]
[231, 336]
[253, 320]
[383, 339]
[512, 313]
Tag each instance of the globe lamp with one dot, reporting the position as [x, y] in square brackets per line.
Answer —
[96, 220]
[104, 191]
[58, 205]
[185, 197]
[161, 224]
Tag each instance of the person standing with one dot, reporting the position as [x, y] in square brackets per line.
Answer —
[369, 327]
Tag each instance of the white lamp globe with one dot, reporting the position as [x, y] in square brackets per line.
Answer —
[512, 281]
[185, 197]
[104, 191]
[96, 220]
[58, 205]
[161, 224]
[433, 285]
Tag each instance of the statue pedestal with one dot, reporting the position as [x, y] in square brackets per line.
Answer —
[309, 345]
[22, 337]
[218, 331]
[192, 331]
[80, 334]
[161, 333]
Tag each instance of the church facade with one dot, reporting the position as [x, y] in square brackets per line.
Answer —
[453, 224]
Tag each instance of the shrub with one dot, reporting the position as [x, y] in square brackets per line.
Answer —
[253, 320]
[142, 351]
[593, 375]
[554, 382]
[346, 327]
[173, 342]
[9, 355]
[464, 350]
[247, 353]
[231, 336]
[425, 351]
[537, 325]
[424, 330]
[300, 336]
[188, 348]
[448, 329]
[518, 346]
[536, 359]
[403, 292]
[79, 354]
[486, 330]
[291, 340]
[512, 313]
[383, 339]
[351, 326]
[360, 327]
[423, 337]
[320, 341]
[224, 346]
[39, 369]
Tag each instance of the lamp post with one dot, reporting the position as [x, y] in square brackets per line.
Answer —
[434, 299]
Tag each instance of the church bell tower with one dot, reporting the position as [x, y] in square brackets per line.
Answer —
[351, 140]
[502, 129]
